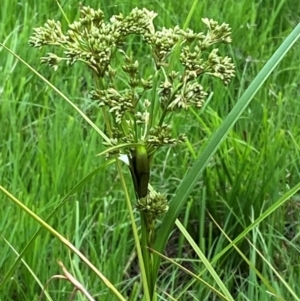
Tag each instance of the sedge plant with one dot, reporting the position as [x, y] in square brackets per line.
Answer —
[138, 105]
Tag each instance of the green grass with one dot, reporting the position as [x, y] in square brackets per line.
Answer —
[47, 148]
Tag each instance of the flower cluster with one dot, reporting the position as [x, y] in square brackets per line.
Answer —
[140, 93]
[154, 205]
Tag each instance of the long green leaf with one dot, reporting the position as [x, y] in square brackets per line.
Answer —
[195, 277]
[204, 260]
[192, 177]
[247, 230]
[65, 241]
[30, 271]
[69, 194]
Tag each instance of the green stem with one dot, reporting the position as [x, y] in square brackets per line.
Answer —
[99, 84]
[135, 234]
[146, 243]
[179, 86]
[154, 102]
[145, 251]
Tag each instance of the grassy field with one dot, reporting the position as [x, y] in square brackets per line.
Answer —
[46, 149]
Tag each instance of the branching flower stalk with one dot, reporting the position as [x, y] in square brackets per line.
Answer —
[139, 95]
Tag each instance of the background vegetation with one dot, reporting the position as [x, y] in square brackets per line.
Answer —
[46, 149]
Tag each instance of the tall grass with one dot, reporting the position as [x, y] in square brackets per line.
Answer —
[46, 149]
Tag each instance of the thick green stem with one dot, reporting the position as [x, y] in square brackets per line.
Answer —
[146, 243]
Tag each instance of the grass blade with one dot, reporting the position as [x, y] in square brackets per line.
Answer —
[205, 261]
[65, 242]
[263, 216]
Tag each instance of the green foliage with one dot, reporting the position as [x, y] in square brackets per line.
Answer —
[46, 149]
